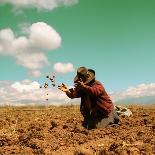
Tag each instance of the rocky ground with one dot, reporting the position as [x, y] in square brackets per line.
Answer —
[58, 131]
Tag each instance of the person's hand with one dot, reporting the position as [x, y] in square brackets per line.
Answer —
[79, 84]
[63, 87]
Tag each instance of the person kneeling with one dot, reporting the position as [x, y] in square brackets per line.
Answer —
[96, 106]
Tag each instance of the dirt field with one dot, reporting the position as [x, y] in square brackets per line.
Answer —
[58, 130]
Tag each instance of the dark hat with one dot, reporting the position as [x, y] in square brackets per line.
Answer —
[84, 73]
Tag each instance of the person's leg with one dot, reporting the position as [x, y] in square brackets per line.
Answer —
[101, 121]
[105, 121]
[116, 117]
[112, 118]
[88, 123]
[85, 122]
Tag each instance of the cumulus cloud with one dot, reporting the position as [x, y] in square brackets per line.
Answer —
[24, 27]
[140, 91]
[40, 4]
[32, 60]
[25, 86]
[63, 68]
[43, 36]
[1, 48]
[30, 51]
[28, 92]
[35, 73]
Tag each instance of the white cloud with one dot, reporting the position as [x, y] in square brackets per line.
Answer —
[24, 28]
[19, 45]
[7, 35]
[25, 86]
[142, 90]
[63, 67]
[32, 60]
[35, 73]
[1, 48]
[28, 92]
[40, 4]
[44, 36]
[30, 51]
[6, 39]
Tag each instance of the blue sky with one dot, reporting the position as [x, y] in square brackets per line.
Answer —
[116, 39]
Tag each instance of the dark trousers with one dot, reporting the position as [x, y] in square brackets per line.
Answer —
[100, 119]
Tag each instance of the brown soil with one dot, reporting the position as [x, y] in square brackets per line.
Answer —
[58, 131]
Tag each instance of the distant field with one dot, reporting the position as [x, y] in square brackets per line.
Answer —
[58, 130]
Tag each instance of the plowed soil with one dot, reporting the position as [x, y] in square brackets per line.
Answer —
[58, 131]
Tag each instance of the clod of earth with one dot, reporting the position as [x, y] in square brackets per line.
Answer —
[52, 80]
[53, 124]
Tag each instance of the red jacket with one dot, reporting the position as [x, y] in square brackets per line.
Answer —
[93, 98]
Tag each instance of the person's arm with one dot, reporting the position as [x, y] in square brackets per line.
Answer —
[71, 93]
[95, 90]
